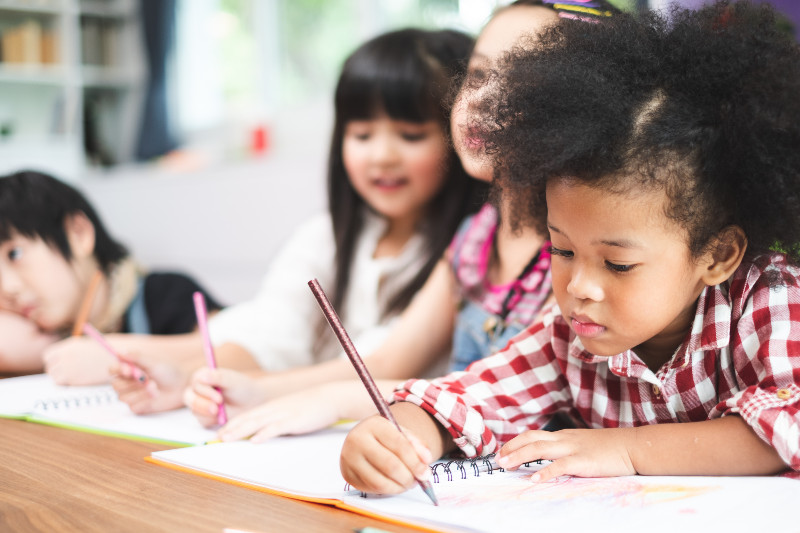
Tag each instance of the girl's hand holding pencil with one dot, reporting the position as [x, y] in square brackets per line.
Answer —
[208, 349]
[211, 388]
[162, 390]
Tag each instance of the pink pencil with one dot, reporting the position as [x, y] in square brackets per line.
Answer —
[211, 361]
[91, 331]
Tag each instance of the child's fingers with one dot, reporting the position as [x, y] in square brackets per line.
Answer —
[114, 369]
[530, 446]
[558, 468]
[131, 368]
[203, 375]
[122, 385]
[371, 457]
[122, 370]
[281, 421]
[125, 381]
[208, 392]
[205, 411]
[223, 378]
[245, 425]
[140, 401]
[358, 476]
[404, 459]
[378, 471]
[423, 452]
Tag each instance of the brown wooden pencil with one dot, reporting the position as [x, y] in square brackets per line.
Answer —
[361, 368]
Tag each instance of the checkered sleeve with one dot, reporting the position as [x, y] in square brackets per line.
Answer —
[765, 350]
[497, 398]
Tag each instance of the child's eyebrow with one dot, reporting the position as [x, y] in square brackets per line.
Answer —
[619, 243]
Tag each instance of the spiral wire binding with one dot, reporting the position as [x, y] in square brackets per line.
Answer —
[483, 463]
[75, 402]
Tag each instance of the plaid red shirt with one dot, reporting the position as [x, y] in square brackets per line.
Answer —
[741, 356]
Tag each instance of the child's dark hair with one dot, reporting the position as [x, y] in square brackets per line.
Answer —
[702, 104]
[33, 204]
[407, 74]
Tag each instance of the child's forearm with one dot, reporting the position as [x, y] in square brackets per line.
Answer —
[340, 369]
[725, 446]
[230, 355]
[22, 344]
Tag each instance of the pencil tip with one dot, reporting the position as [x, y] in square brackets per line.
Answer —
[429, 491]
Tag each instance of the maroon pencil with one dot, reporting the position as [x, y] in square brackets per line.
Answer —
[361, 368]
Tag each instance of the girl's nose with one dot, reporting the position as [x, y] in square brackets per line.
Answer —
[384, 151]
[585, 286]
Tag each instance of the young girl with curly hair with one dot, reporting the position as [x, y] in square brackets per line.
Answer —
[665, 147]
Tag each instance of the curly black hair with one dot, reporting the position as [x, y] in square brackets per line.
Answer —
[703, 104]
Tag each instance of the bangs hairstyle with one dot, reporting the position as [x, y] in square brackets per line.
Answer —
[702, 105]
[35, 205]
[408, 75]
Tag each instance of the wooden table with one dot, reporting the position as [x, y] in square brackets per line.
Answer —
[56, 480]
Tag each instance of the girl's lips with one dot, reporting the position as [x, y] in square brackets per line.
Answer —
[585, 328]
[387, 184]
[473, 138]
[473, 143]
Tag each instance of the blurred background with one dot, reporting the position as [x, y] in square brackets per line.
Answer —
[199, 128]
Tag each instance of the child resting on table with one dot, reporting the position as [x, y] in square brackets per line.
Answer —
[666, 151]
[491, 284]
[396, 194]
[59, 266]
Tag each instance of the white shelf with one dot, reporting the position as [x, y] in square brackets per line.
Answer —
[66, 62]
[34, 73]
[108, 77]
[108, 8]
[48, 7]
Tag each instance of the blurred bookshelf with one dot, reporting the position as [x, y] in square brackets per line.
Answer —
[72, 77]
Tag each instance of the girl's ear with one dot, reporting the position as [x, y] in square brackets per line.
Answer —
[726, 255]
[80, 235]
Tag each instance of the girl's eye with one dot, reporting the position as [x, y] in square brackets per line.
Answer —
[358, 129]
[413, 137]
[619, 268]
[559, 252]
[15, 253]
[359, 135]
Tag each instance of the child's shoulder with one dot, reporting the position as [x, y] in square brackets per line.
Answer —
[318, 223]
[317, 230]
[766, 276]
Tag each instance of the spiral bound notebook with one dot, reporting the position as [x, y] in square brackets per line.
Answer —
[473, 499]
[94, 409]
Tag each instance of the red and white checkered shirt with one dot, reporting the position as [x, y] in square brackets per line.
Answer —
[741, 356]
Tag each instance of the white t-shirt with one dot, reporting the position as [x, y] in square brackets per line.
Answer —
[278, 326]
